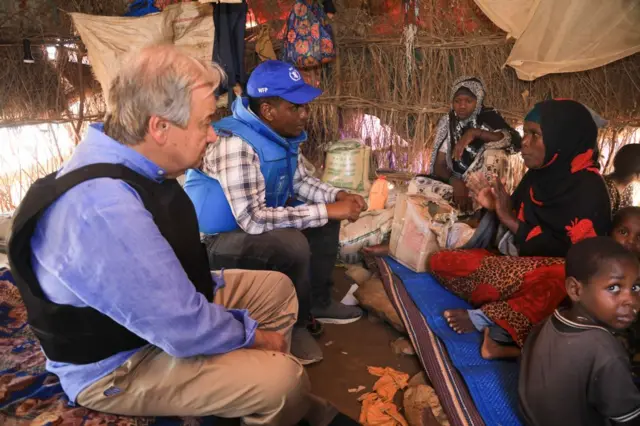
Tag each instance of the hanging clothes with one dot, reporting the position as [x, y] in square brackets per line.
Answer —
[328, 6]
[229, 20]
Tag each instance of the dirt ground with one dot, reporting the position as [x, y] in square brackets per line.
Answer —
[348, 350]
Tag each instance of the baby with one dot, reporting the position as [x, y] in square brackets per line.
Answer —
[573, 369]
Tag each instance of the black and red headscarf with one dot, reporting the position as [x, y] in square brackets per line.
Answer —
[566, 200]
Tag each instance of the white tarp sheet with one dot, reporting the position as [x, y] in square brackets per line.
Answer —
[558, 36]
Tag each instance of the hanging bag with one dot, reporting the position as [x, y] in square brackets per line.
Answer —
[308, 41]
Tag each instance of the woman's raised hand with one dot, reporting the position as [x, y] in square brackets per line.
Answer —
[481, 190]
[504, 207]
[503, 200]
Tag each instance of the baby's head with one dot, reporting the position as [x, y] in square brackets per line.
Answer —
[602, 278]
[626, 229]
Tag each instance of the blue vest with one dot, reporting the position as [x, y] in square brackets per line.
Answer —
[278, 163]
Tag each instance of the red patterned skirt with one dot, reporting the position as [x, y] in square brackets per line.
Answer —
[514, 292]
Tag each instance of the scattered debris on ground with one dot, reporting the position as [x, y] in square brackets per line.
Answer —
[378, 408]
[378, 412]
[402, 346]
[418, 398]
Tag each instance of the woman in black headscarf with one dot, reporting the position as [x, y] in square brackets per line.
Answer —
[561, 200]
[462, 138]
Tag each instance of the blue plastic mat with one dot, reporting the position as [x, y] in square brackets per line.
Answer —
[493, 385]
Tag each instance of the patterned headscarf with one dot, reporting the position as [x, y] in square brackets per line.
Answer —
[475, 86]
[450, 128]
[457, 127]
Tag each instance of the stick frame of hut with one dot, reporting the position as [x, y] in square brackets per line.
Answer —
[380, 72]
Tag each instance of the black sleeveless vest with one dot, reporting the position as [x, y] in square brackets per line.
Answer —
[84, 335]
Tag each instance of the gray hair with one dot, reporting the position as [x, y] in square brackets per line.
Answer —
[156, 80]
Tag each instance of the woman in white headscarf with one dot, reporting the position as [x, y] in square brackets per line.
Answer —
[471, 138]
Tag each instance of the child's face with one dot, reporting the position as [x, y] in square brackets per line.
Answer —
[613, 295]
[627, 233]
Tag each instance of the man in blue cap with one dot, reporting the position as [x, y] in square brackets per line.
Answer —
[260, 209]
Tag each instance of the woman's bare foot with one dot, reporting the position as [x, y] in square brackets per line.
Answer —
[491, 349]
[459, 321]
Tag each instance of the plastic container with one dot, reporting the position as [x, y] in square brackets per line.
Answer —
[370, 229]
[420, 227]
[378, 194]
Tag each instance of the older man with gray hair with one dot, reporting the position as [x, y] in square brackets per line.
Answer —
[108, 259]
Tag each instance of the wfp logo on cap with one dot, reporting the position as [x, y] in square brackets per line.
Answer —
[294, 74]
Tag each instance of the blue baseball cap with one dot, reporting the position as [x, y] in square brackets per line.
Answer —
[277, 78]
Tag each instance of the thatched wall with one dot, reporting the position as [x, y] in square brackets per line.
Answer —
[44, 91]
[375, 79]
[409, 92]
[407, 88]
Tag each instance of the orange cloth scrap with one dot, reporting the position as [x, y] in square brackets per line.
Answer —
[378, 408]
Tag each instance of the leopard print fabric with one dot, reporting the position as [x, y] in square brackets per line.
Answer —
[514, 292]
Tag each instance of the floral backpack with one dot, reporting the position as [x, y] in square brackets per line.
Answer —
[308, 41]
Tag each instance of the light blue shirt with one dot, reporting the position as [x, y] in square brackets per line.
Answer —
[98, 246]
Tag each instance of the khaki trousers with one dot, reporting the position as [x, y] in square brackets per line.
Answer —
[261, 387]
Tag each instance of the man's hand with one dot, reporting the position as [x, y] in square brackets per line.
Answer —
[461, 194]
[346, 209]
[344, 195]
[269, 341]
[464, 141]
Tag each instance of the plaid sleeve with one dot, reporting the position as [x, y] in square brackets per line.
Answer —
[237, 167]
[311, 189]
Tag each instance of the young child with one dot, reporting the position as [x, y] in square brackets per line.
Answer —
[573, 370]
[626, 229]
